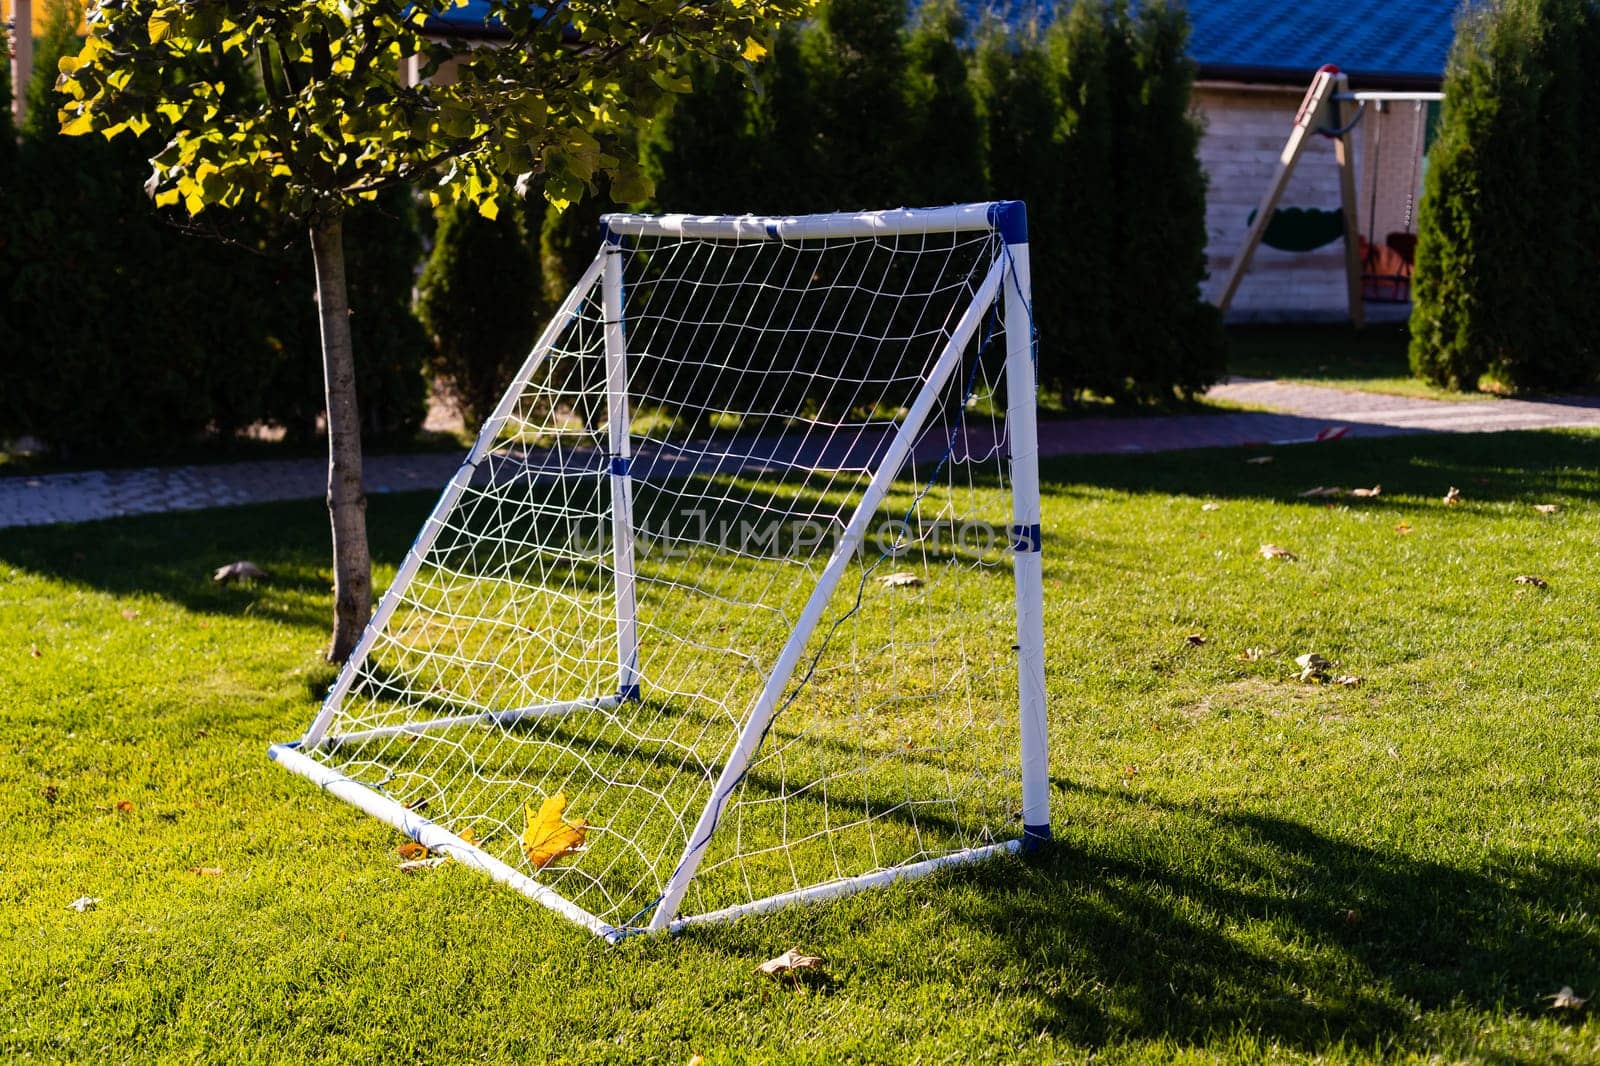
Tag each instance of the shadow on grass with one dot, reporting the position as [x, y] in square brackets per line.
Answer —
[1533, 466]
[173, 556]
[1282, 931]
[1329, 353]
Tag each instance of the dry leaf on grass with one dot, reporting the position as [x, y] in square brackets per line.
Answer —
[1347, 680]
[124, 806]
[1250, 655]
[412, 851]
[1452, 497]
[206, 871]
[1322, 492]
[1367, 494]
[1272, 551]
[33, 650]
[413, 865]
[900, 579]
[1534, 580]
[547, 836]
[243, 570]
[1313, 667]
[1567, 999]
[1547, 508]
[130, 614]
[1260, 460]
[469, 834]
[1194, 640]
[791, 961]
[84, 903]
[1210, 506]
[1403, 528]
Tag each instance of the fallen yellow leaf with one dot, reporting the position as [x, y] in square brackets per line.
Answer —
[789, 962]
[412, 850]
[547, 836]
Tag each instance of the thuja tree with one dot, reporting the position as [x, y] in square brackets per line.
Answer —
[556, 102]
[479, 297]
[1510, 217]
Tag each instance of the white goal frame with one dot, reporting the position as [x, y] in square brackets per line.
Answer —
[1006, 288]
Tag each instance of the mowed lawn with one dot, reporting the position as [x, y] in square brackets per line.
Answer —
[1247, 865]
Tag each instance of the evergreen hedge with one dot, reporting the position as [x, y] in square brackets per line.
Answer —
[481, 299]
[1088, 122]
[124, 335]
[1509, 224]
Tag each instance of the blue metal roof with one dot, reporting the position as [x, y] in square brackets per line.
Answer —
[1376, 38]
[1372, 38]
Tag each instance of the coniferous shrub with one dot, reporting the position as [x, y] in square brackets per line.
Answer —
[1168, 341]
[1508, 224]
[944, 149]
[481, 300]
[1017, 91]
[701, 154]
[785, 127]
[857, 56]
[132, 335]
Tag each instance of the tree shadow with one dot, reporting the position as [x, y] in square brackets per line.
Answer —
[173, 556]
[1525, 466]
[1280, 930]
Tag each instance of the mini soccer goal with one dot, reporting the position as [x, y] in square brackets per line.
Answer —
[736, 600]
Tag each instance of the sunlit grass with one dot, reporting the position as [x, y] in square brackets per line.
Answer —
[1246, 865]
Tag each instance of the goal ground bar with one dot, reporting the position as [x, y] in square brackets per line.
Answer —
[436, 838]
[537, 710]
[848, 886]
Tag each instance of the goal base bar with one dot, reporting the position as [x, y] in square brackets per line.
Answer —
[485, 718]
[848, 886]
[436, 838]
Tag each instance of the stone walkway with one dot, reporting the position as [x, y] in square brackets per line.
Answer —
[1296, 414]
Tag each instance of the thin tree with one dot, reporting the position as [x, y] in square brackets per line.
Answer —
[557, 99]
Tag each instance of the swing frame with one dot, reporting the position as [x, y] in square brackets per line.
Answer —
[1329, 108]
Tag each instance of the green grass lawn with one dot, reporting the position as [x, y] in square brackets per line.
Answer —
[1247, 866]
[1372, 359]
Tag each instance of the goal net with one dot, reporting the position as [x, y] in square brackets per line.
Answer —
[736, 600]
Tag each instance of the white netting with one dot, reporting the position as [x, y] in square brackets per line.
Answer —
[765, 381]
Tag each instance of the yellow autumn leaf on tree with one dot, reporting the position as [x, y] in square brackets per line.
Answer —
[548, 836]
[753, 49]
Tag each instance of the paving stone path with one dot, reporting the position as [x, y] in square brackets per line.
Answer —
[1296, 413]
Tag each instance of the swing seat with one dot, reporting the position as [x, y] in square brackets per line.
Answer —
[1386, 268]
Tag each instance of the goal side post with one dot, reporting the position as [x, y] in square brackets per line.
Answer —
[619, 435]
[1022, 432]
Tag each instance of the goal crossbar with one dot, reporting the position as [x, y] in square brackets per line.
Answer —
[1001, 295]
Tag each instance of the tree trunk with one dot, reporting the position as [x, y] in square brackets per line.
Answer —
[347, 503]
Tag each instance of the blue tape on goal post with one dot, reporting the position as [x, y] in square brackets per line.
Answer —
[620, 465]
[1027, 538]
[1010, 218]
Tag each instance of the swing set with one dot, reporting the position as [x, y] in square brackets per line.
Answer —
[1374, 271]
